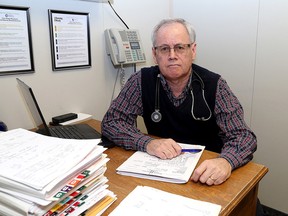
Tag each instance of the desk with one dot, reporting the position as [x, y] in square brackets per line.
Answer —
[237, 196]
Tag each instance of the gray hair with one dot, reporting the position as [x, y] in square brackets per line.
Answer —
[163, 22]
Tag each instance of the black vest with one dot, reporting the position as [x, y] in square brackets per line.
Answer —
[177, 122]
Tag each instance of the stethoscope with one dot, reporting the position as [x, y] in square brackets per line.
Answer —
[156, 116]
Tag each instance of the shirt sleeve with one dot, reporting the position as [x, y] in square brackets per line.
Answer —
[119, 123]
[239, 141]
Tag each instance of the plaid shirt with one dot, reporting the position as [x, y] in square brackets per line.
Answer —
[119, 123]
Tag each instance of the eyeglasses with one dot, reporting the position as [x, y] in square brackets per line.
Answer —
[178, 49]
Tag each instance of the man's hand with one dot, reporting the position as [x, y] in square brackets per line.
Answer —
[163, 148]
[212, 172]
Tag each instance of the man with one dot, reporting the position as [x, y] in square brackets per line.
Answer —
[181, 102]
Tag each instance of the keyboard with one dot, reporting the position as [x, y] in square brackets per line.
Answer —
[80, 131]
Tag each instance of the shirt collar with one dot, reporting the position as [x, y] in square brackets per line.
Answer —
[169, 91]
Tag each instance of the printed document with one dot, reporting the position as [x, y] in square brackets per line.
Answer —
[175, 170]
[144, 201]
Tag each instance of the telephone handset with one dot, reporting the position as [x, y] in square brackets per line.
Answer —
[124, 46]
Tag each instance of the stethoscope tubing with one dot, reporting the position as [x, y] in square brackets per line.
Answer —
[204, 98]
[156, 116]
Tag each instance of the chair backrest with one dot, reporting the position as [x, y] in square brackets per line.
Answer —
[3, 126]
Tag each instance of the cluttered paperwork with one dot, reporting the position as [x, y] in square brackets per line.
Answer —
[34, 161]
[43, 175]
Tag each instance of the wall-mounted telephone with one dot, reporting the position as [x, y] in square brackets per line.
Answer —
[124, 46]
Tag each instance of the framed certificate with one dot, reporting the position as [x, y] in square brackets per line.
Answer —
[70, 39]
[16, 55]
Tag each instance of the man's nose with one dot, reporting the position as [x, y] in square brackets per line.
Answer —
[172, 52]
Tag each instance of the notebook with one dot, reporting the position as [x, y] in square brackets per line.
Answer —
[78, 131]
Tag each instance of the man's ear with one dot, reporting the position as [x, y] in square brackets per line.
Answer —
[154, 55]
[193, 48]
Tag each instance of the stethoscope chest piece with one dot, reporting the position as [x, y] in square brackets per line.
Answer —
[156, 116]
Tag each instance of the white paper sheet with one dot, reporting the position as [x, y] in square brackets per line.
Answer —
[143, 201]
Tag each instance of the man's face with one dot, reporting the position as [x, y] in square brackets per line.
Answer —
[176, 63]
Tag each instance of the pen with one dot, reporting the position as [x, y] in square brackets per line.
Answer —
[191, 150]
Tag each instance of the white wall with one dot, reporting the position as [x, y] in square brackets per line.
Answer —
[270, 102]
[225, 40]
[243, 40]
[246, 42]
[86, 90]
[62, 91]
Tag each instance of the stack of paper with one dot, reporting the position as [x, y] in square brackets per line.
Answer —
[41, 175]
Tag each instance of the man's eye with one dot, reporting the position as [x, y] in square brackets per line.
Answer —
[179, 47]
[164, 49]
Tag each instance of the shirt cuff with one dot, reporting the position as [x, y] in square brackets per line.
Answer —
[142, 141]
[234, 162]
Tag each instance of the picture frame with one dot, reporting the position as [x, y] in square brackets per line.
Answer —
[16, 53]
[70, 39]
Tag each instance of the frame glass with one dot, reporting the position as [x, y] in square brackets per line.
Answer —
[70, 39]
[16, 55]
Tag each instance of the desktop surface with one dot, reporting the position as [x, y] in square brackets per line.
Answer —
[237, 196]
